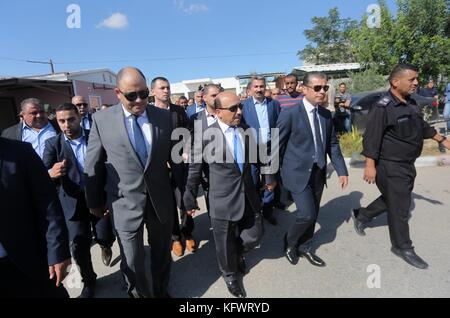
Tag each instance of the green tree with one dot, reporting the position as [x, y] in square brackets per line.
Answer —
[329, 40]
[419, 34]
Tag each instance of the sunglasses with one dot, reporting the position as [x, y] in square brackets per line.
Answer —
[81, 104]
[318, 88]
[132, 96]
[233, 108]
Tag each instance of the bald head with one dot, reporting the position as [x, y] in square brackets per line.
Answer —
[132, 90]
[128, 74]
[228, 108]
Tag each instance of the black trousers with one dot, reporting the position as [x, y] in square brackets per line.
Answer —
[183, 224]
[15, 284]
[232, 239]
[301, 232]
[395, 180]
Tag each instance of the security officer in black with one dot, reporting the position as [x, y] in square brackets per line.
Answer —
[392, 142]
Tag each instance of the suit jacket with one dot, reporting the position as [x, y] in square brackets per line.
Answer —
[15, 132]
[297, 148]
[192, 110]
[32, 226]
[113, 166]
[251, 117]
[228, 188]
[69, 186]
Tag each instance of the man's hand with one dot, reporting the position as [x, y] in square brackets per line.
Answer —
[446, 144]
[98, 212]
[191, 212]
[370, 174]
[271, 186]
[58, 170]
[343, 181]
[60, 270]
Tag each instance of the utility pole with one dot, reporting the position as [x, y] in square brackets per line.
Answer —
[52, 67]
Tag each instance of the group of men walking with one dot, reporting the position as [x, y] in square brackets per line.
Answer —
[122, 170]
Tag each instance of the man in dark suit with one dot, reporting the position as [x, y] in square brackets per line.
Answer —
[84, 111]
[235, 202]
[35, 127]
[199, 122]
[198, 106]
[64, 157]
[306, 136]
[128, 154]
[261, 113]
[161, 91]
[33, 236]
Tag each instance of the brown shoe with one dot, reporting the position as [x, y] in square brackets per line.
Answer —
[191, 246]
[177, 248]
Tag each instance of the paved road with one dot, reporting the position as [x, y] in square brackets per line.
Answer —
[347, 255]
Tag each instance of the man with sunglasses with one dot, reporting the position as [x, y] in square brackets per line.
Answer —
[127, 159]
[83, 110]
[307, 136]
[235, 204]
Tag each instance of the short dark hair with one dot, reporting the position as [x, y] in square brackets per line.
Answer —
[209, 86]
[292, 75]
[67, 106]
[401, 68]
[310, 75]
[182, 97]
[217, 103]
[159, 78]
[343, 84]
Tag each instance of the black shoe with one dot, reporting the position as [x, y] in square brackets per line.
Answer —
[312, 258]
[88, 291]
[359, 225]
[442, 148]
[106, 255]
[290, 252]
[410, 257]
[271, 219]
[242, 265]
[235, 289]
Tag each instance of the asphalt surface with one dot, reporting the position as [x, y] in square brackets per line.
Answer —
[356, 266]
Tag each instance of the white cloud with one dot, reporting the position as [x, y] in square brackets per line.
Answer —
[190, 9]
[115, 21]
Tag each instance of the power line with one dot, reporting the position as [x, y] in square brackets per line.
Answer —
[154, 59]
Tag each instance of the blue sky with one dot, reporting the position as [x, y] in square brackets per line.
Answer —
[168, 38]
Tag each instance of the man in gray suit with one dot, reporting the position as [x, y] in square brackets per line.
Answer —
[127, 157]
[235, 204]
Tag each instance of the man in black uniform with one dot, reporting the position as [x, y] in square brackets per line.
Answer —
[392, 141]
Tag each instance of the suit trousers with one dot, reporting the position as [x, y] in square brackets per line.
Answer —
[133, 256]
[232, 239]
[15, 284]
[268, 197]
[301, 232]
[395, 180]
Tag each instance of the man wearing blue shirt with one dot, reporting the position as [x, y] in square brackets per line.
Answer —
[35, 128]
[198, 106]
[64, 158]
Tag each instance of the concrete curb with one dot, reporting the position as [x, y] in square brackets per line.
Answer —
[426, 161]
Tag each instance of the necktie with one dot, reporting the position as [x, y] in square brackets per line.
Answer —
[139, 141]
[320, 155]
[238, 151]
